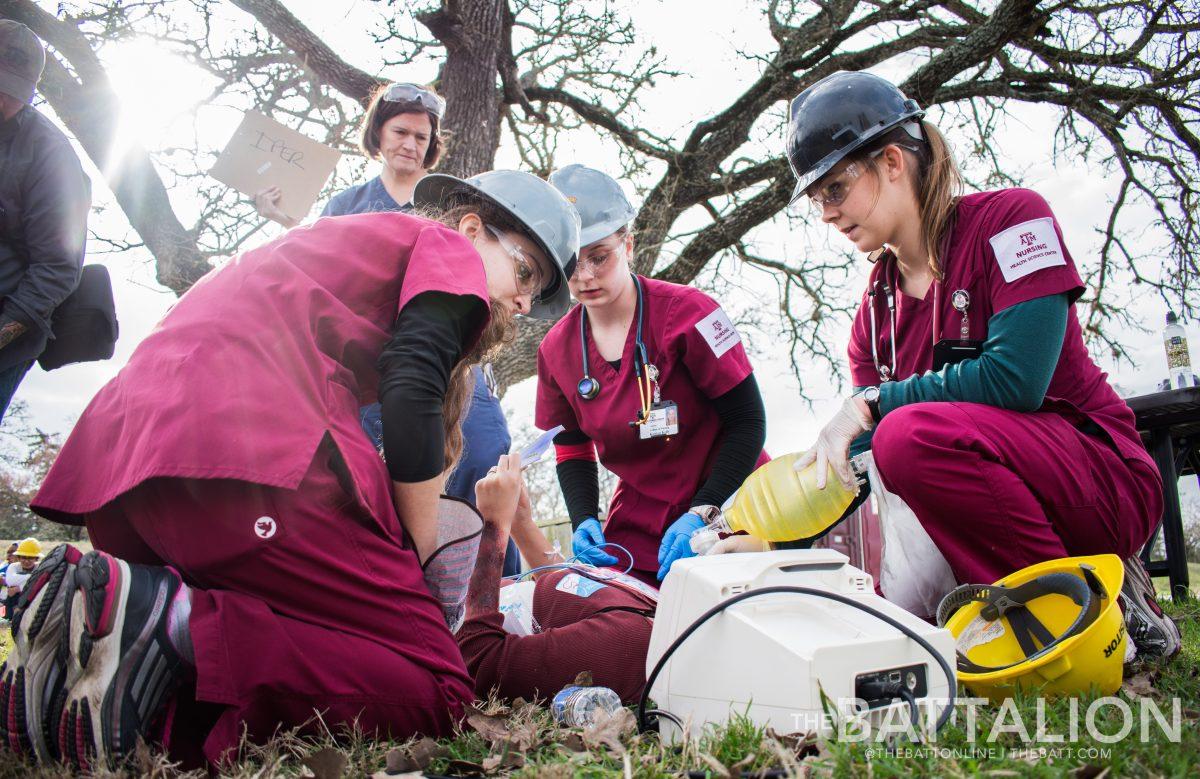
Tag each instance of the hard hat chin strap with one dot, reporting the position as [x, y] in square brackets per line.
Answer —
[1085, 590]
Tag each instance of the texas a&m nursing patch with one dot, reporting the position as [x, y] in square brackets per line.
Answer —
[719, 332]
[1027, 247]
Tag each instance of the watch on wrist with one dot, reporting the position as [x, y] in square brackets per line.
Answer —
[870, 396]
[706, 513]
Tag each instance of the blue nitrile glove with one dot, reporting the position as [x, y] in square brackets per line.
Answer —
[587, 542]
[677, 543]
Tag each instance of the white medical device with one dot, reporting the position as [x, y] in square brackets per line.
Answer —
[771, 657]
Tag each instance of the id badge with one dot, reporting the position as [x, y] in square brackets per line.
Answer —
[662, 421]
[948, 352]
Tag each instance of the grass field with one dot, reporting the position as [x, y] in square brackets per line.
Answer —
[521, 740]
[1163, 586]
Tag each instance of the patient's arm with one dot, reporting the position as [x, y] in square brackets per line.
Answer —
[534, 546]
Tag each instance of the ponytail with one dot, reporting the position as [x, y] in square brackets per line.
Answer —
[936, 179]
[939, 186]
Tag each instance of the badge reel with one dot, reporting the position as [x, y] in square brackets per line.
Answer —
[948, 351]
[663, 418]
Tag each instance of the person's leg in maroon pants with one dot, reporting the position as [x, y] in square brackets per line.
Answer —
[319, 609]
[999, 490]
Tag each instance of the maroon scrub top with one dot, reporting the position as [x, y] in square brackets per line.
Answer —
[259, 361]
[700, 356]
[1005, 248]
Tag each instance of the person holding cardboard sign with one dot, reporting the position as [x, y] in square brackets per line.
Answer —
[401, 131]
[227, 455]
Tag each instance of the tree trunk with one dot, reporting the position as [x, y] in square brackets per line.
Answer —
[91, 111]
[471, 32]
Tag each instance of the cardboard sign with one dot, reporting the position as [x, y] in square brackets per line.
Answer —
[264, 153]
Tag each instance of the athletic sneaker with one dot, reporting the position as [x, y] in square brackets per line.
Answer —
[32, 678]
[1155, 635]
[122, 668]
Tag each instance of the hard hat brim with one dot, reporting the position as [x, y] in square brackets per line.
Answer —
[435, 188]
[600, 231]
[815, 172]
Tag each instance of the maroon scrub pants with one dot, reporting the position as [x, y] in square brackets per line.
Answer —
[319, 610]
[999, 490]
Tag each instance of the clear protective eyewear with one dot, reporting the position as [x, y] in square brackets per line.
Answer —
[596, 263]
[835, 190]
[525, 269]
[411, 93]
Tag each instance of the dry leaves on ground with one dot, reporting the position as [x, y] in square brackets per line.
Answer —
[415, 757]
[609, 729]
[492, 727]
[326, 763]
[510, 759]
[1140, 685]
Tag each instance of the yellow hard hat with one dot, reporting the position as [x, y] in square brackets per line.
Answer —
[29, 548]
[1054, 627]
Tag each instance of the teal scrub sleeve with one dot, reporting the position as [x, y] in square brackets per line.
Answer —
[1013, 372]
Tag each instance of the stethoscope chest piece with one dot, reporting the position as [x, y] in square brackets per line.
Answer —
[588, 387]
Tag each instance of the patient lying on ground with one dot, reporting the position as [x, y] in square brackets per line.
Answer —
[531, 638]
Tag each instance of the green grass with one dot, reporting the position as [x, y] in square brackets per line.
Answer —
[741, 748]
[1163, 585]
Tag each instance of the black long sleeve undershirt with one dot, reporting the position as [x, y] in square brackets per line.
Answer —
[744, 423]
[414, 374]
[579, 481]
[744, 428]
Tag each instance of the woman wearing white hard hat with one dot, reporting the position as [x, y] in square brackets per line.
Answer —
[652, 379]
[227, 456]
[401, 129]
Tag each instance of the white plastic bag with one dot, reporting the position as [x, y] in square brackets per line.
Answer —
[448, 570]
[913, 573]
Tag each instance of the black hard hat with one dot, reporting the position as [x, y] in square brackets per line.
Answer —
[838, 115]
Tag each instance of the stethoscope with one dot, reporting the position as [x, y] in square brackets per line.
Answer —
[961, 300]
[589, 386]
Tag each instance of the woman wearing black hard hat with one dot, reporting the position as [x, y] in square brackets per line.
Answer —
[227, 456]
[973, 385]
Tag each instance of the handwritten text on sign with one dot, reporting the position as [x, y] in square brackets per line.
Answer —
[264, 153]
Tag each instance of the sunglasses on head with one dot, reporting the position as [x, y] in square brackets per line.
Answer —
[411, 93]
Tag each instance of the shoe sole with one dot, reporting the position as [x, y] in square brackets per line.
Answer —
[32, 681]
[116, 682]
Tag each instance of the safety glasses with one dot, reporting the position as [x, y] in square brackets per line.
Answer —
[525, 268]
[834, 190]
[411, 93]
[596, 262]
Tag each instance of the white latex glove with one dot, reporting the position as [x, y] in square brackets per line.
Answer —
[832, 448]
[740, 543]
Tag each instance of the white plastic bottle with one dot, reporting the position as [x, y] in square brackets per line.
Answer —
[576, 706]
[1179, 364]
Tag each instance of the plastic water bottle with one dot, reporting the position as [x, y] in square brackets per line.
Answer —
[576, 706]
[779, 503]
[1179, 364]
